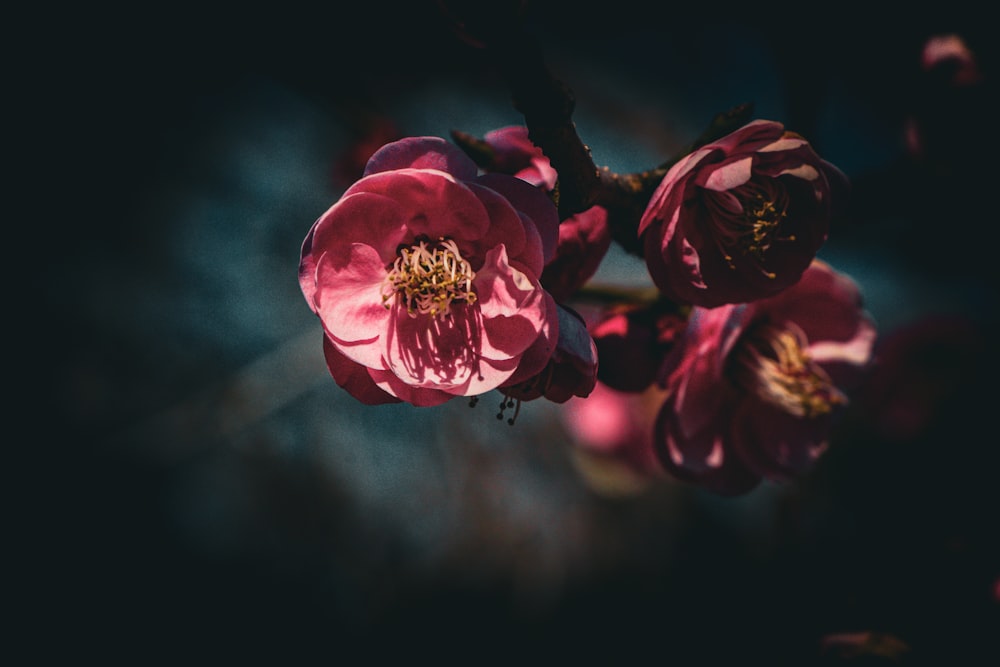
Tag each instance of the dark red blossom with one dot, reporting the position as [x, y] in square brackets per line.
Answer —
[740, 218]
[755, 389]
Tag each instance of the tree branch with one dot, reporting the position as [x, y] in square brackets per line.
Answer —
[547, 105]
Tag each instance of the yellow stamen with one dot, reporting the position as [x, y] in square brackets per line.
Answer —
[429, 278]
[753, 233]
[775, 365]
[762, 218]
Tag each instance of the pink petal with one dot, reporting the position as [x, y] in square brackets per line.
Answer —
[776, 444]
[307, 270]
[824, 303]
[443, 354]
[703, 458]
[804, 171]
[426, 351]
[750, 138]
[422, 153]
[533, 203]
[534, 359]
[856, 350]
[700, 394]
[502, 290]
[728, 176]
[516, 154]
[432, 202]
[506, 226]
[726, 202]
[418, 396]
[349, 301]
[584, 240]
[787, 142]
[603, 420]
[354, 377]
[506, 336]
[362, 217]
[657, 209]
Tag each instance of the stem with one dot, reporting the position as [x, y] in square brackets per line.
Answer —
[547, 104]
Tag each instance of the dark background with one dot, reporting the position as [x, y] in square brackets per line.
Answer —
[195, 483]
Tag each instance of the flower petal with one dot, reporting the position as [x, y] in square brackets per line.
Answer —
[443, 354]
[435, 203]
[363, 217]
[534, 359]
[349, 301]
[703, 458]
[421, 397]
[354, 377]
[307, 269]
[422, 153]
[776, 444]
[513, 307]
[427, 351]
[584, 240]
[506, 225]
[533, 203]
[729, 175]
[517, 155]
[671, 183]
[750, 138]
[787, 142]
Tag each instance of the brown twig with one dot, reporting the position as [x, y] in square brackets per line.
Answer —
[548, 104]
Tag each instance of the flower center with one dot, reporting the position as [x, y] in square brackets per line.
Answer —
[428, 278]
[774, 365]
[765, 206]
[762, 218]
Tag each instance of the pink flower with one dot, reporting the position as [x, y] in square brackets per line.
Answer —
[424, 275]
[754, 389]
[739, 219]
[584, 238]
[514, 154]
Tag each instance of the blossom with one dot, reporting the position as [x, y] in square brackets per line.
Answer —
[515, 154]
[740, 218]
[754, 389]
[424, 275]
[584, 238]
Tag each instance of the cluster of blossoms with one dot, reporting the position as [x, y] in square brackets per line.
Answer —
[435, 277]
